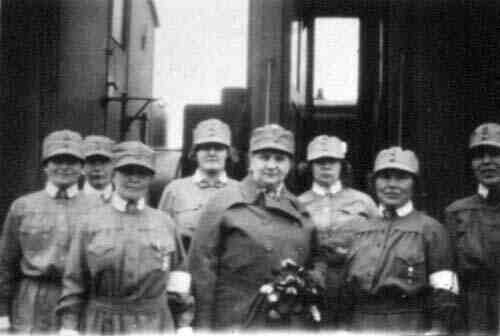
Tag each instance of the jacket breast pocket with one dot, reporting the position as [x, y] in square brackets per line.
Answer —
[35, 237]
[410, 272]
[469, 246]
[100, 254]
[187, 216]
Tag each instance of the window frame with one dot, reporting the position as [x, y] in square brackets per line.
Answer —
[118, 37]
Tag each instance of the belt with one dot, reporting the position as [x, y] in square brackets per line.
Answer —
[49, 277]
[125, 305]
[382, 304]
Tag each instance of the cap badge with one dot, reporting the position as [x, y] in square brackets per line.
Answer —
[484, 133]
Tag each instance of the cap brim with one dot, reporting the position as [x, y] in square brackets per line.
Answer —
[274, 148]
[133, 162]
[485, 144]
[326, 156]
[99, 153]
[211, 140]
[64, 151]
[395, 165]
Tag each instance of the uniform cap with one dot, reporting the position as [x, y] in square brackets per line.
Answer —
[327, 147]
[487, 134]
[133, 153]
[98, 145]
[396, 158]
[63, 142]
[272, 137]
[211, 130]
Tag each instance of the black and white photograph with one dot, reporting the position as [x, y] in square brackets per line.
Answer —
[268, 167]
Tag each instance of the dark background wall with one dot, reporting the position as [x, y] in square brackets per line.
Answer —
[56, 63]
[429, 78]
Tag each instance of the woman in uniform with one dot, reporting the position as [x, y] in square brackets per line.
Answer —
[183, 199]
[245, 233]
[36, 238]
[332, 206]
[399, 267]
[120, 259]
[474, 225]
[98, 166]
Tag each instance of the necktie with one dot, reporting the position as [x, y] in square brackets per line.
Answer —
[210, 184]
[389, 213]
[493, 197]
[131, 207]
[62, 194]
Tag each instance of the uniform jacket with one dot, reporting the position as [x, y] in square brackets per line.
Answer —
[242, 237]
[117, 271]
[402, 265]
[184, 199]
[332, 215]
[33, 251]
[474, 226]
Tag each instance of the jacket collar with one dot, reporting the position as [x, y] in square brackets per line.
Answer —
[104, 193]
[401, 211]
[322, 191]
[120, 204]
[199, 176]
[482, 191]
[52, 190]
[286, 203]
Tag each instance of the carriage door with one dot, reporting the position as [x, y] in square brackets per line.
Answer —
[336, 80]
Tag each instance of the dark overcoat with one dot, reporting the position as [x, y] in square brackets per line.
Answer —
[243, 236]
[474, 226]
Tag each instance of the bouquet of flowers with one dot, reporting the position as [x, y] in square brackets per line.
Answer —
[292, 293]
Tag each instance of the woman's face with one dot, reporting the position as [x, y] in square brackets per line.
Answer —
[98, 170]
[486, 166]
[394, 187]
[269, 167]
[63, 170]
[211, 157]
[326, 171]
[132, 181]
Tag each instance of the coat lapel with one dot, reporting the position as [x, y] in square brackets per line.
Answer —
[286, 204]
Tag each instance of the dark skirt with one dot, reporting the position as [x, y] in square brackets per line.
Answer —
[115, 316]
[33, 307]
[401, 315]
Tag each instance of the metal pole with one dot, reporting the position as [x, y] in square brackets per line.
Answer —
[267, 109]
[123, 121]
[401, 99]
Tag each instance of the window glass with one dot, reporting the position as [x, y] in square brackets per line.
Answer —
[117, 29]
[336, 61]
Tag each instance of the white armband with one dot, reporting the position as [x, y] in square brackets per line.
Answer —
[444, 279]
[179, 282]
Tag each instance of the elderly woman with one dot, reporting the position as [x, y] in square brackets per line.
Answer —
[121, 257]
[399, 267]
[36, 238]
[332, 206]
[184, 199]
[474, 225]
[245, 233]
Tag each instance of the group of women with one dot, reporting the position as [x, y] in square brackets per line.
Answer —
[74, 262]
